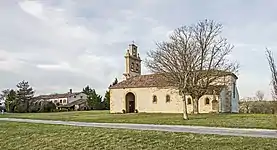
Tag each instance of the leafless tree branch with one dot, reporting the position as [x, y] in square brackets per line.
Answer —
[194, 57]
[260, 95]
[273, 70]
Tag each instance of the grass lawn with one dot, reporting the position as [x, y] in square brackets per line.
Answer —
[27, 136]
[218, 120]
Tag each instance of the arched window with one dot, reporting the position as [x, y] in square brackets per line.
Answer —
[134, 51]
[189, 101]
[207, 101]
[155, 99]
[137, 67]
[167, 98]
[132, 66]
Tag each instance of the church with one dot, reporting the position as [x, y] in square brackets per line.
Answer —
[139, 93]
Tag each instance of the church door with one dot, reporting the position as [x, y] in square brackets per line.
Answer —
[130, 103]
[131, 106]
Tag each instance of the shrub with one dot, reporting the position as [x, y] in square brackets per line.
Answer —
[47, 106]
[264, 107]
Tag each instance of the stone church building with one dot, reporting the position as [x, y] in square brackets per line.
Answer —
[148, 93]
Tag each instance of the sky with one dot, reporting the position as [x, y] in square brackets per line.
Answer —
[56, 45]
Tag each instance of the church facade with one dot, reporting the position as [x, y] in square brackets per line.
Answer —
[148, 93]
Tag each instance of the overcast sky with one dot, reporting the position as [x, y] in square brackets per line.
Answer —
[62, 44]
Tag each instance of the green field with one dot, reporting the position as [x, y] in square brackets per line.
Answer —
[267, 121]
[25, 136]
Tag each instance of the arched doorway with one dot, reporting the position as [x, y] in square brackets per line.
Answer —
[130, 102]
[215, 105]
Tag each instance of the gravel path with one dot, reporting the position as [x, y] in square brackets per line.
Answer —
[265, 133]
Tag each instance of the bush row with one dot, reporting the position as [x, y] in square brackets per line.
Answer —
[264, 107]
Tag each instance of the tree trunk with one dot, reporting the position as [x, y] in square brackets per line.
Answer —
[185, 112]
[195, 105]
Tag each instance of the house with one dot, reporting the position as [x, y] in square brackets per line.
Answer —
[64, 98]
[80, 104]
[150, 94]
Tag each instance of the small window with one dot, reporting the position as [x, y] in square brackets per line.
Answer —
[167, 98]
[81, 96]
[134, 51]
[189, 101]
[55, 101]
[132, 66]
[137, 67]
[207, 101]
[61, 101]
[155, 99]
[74, 96]
[64, 101]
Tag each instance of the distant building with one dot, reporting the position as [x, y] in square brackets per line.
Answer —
[62, 99]
[80, 104]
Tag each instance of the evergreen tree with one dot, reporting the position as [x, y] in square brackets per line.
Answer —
[25, 94]
[107, 100]
[107, 96]
[46, 106]
[4, 94]
[94, 100]
[87, 90]
[115, 81]
[10, 101]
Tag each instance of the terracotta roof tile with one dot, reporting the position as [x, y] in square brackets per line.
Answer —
[150, 80]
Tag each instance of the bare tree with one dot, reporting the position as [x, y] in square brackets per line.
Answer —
[172, 60]
[260, 95]
[273, 70]
[211, 62]
[194, 57]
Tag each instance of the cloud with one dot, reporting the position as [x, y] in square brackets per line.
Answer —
[57, 45]
[7, 62]
[53, 67]
[32, 7]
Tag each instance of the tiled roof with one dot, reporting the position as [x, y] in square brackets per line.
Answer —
[53, 96]
[150, 80]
